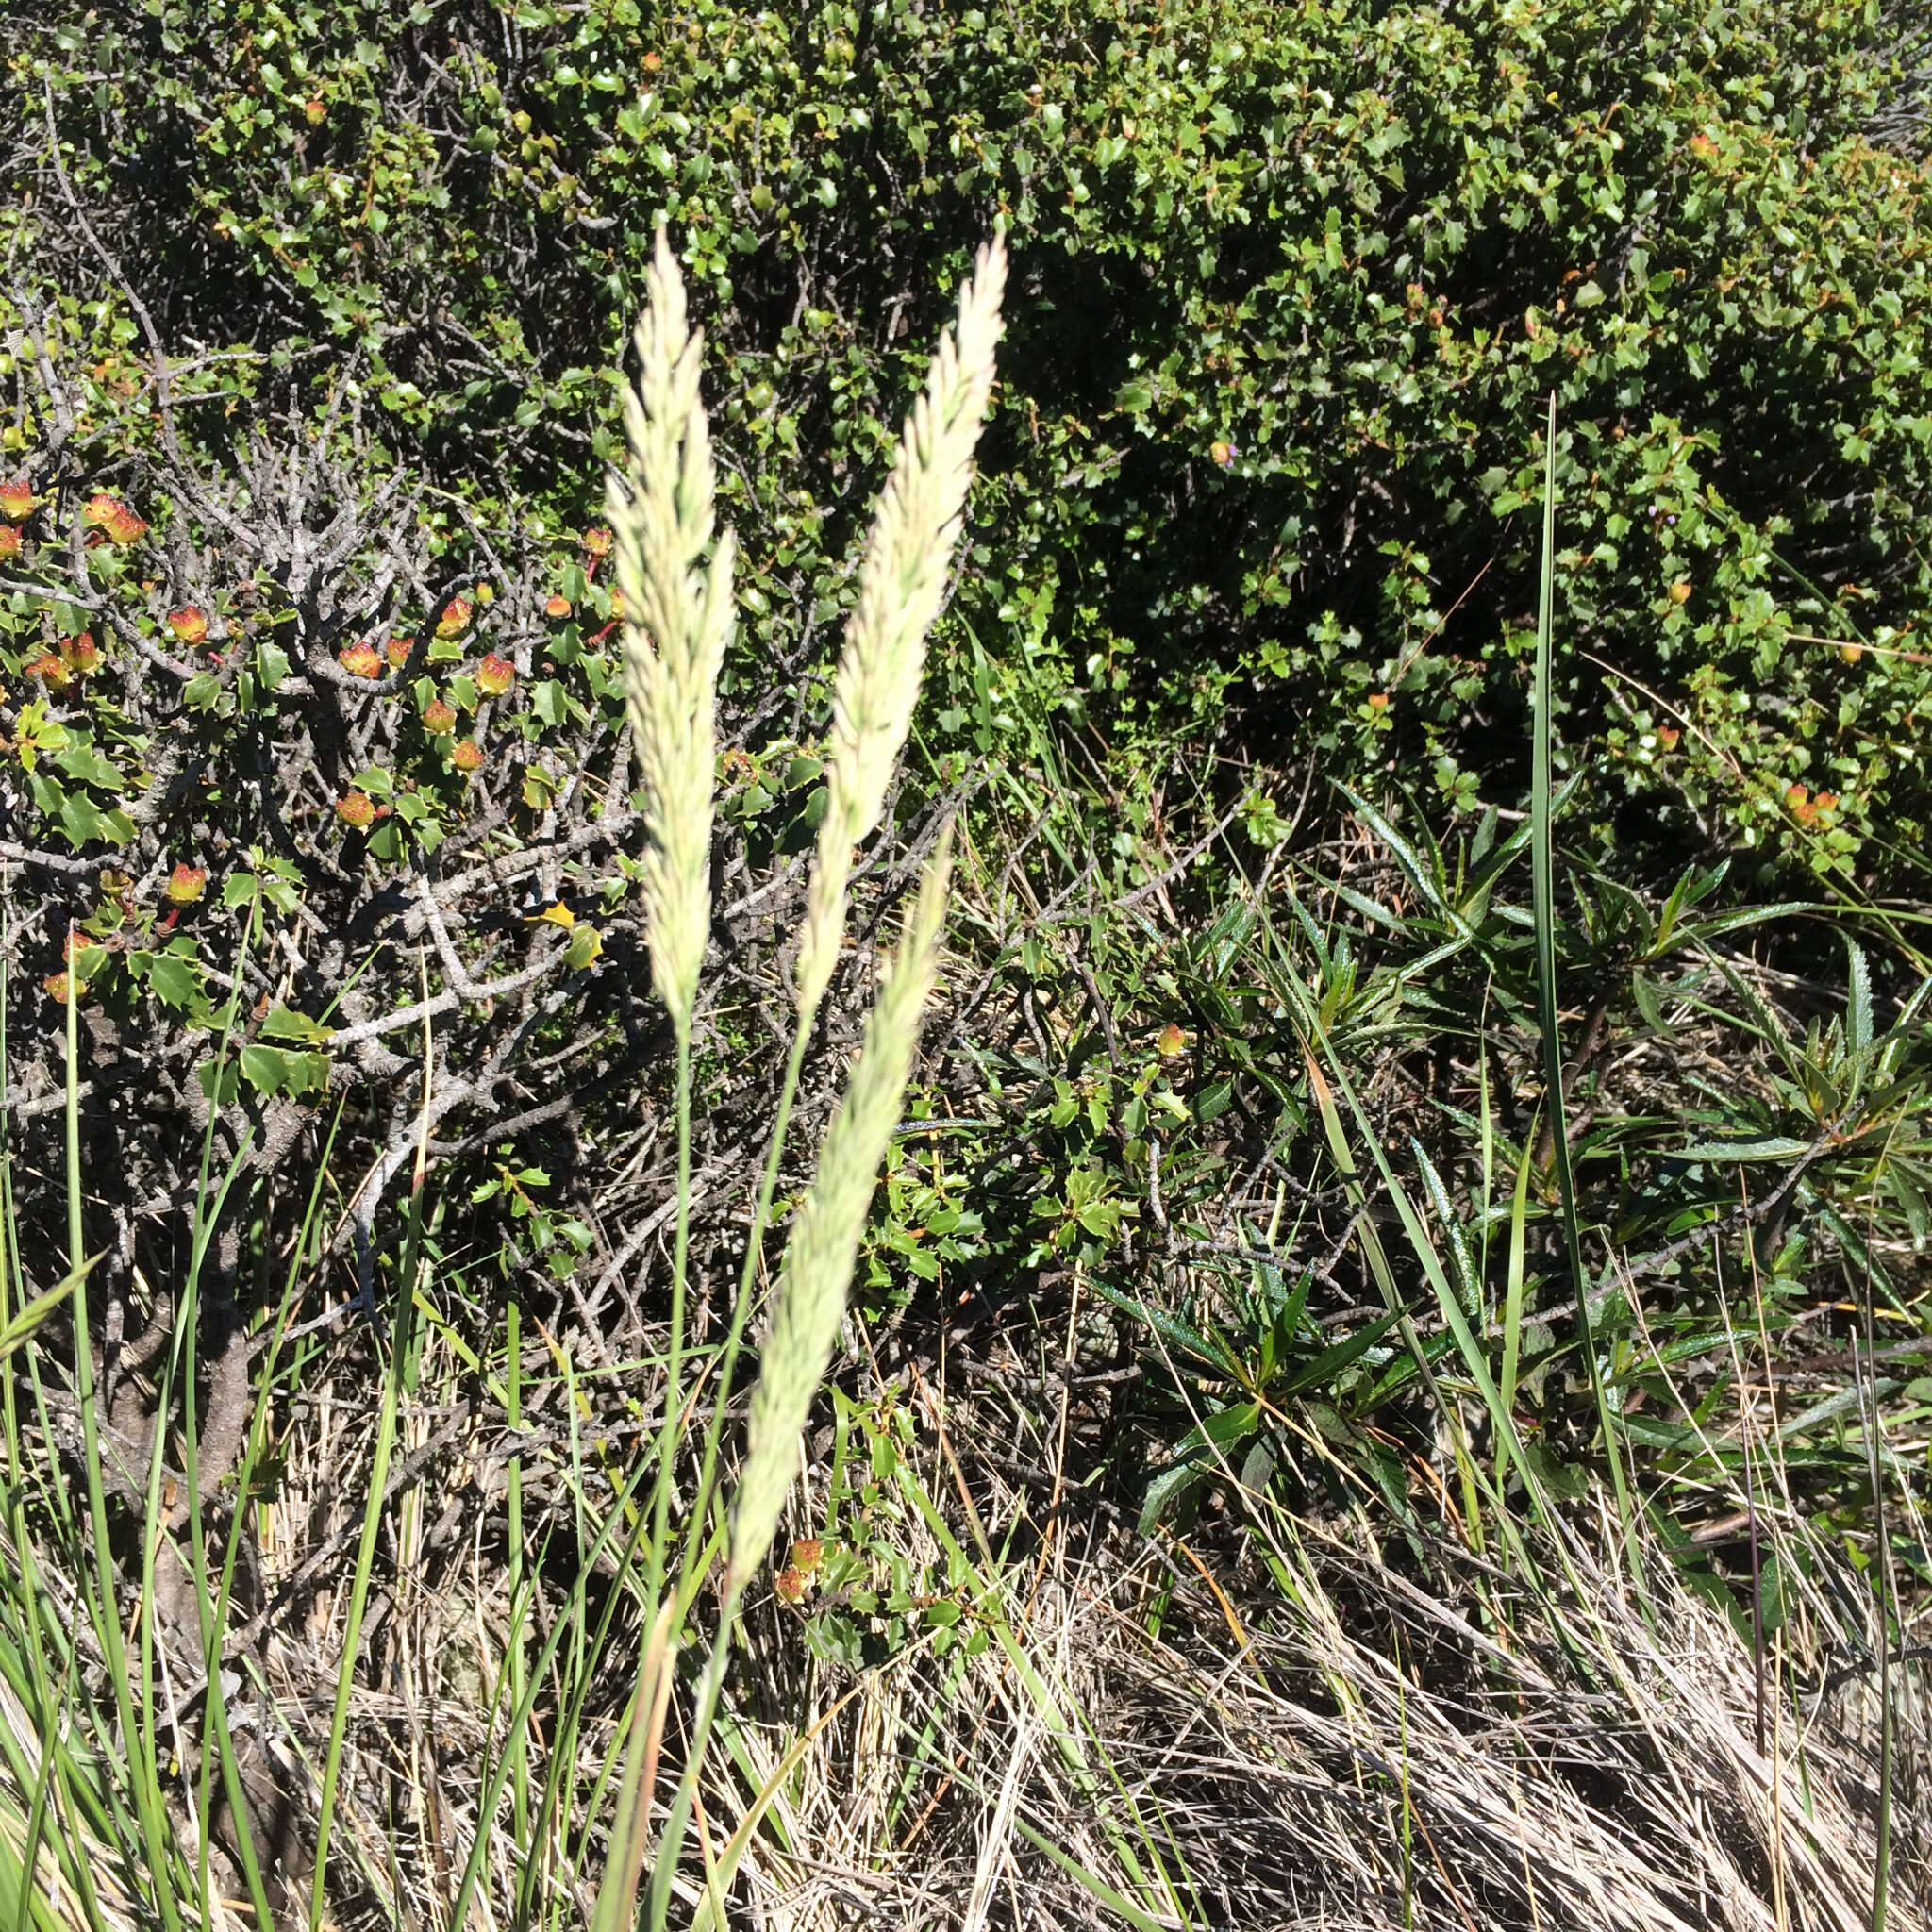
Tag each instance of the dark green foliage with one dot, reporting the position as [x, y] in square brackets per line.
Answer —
[1292, 285]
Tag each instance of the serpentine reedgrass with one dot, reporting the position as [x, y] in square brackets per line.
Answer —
[902, 581]
[901, 585]
[809, 1306]
[817, 1268]
[676, 626]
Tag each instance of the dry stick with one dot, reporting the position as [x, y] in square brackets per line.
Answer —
[1778, 1794]
[1784, 1484]
[1880, 1867]
[1750, 1498]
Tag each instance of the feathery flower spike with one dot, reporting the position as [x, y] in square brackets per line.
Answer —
[817, 1269]
[901, 584]
[677, 622]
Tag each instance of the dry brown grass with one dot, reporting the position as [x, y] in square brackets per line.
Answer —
[1583, 1766]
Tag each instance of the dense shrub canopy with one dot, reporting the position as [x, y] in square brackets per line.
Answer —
[1293, 287]
[314, 314]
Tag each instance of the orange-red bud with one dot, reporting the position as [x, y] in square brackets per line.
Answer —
[359, 661]
[495, 675]
[187, 883]
[109, 514]
[189, 624]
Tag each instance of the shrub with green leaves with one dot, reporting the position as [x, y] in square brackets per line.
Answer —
[1295, 282]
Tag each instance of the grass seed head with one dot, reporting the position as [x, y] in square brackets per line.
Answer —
[677, 621]
[901, 585]
[819, 1257]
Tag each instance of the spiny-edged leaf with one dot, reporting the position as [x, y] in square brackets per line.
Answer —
[1652, 1432]
[1272, 968]
[84, 764]
[81, 820]
[1369, 908]
[220, 1083]
[586, 945]
[175, 982]
[274, 1070]
[1288, 1323]
[284, 1023]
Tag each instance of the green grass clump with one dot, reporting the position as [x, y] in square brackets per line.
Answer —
[673, 644]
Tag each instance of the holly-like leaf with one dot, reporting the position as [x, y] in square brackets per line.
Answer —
[274, 1070]
[174, 980]
[284, 1023]
[86, 766]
